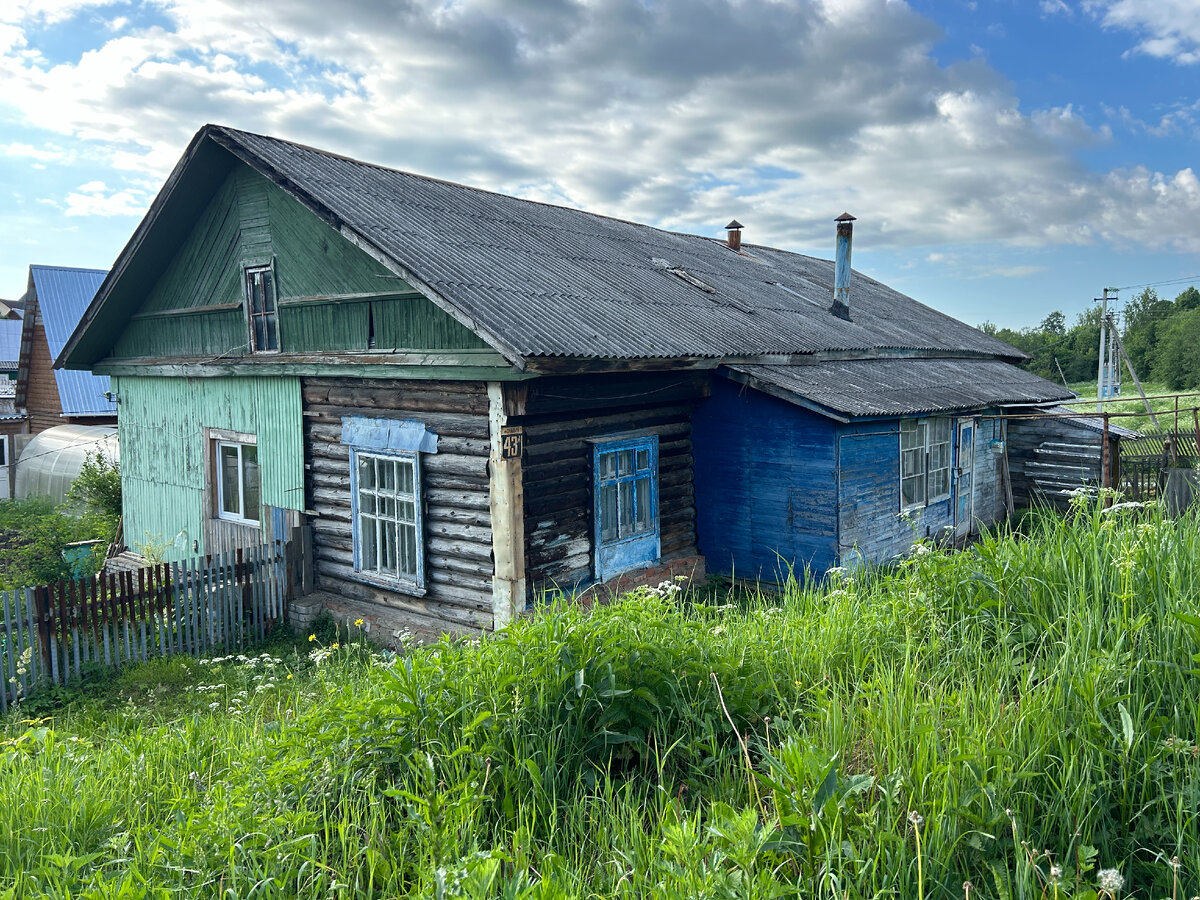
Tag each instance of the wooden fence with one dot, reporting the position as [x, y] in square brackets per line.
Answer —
[1146, 460]
[52, 632]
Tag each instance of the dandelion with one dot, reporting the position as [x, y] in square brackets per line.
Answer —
[1110, 881]
[358, 623]
[311, 638]
[289, 678]
[335, 645]
[1056, 874]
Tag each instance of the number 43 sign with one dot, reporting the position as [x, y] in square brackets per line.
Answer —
[512, 442]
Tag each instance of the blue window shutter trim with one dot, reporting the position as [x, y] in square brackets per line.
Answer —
[388, 434]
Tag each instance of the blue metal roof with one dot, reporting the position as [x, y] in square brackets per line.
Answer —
[63, 294]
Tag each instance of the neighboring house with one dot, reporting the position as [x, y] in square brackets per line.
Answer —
[12, 421]
[57, 296]
[471, 398]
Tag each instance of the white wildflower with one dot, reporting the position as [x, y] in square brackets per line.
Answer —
[1110, 881]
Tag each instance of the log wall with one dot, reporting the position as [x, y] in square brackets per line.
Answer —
[458, 537]
[561, 414]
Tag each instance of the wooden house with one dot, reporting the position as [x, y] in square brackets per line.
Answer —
[470, 398]
[12, 421]
[55, 300]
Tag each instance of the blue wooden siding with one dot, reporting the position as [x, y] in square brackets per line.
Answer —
[870, 527]
[766, 485]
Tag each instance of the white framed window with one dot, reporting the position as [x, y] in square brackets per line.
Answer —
[925, 457]
[385, 495]
[239, 485]
[262, 316]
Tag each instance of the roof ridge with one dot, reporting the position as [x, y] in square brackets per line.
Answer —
[234, 132]
[92, 271]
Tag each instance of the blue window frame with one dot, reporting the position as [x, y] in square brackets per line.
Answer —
[385, 500]
[626, 521]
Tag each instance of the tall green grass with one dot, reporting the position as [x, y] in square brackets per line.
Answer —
[1015, 718]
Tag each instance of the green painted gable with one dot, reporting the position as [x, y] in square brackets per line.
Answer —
[195, 308]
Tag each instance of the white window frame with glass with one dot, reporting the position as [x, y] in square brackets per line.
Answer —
[926, 453]
[262, 306]
[239, 481]
[388, 530]
[626, 525]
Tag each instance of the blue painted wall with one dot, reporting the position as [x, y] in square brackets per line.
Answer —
[779, 486]
[870, 528]
[766, 485]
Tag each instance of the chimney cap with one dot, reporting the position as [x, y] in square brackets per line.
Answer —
[734, 225]
[845, 217]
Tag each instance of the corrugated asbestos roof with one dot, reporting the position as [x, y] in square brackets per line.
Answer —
[63, 294]
[546, 281]
[897, 387]
[1092, 423]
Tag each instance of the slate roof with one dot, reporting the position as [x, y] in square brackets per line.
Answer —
[546, 281]
[1091, 423]
[538, 281]
[63, 294]
[897, 387]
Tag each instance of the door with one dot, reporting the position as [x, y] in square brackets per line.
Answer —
[964, 481]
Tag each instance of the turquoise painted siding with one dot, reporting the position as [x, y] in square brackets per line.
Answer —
[250, 219]
[163, 456]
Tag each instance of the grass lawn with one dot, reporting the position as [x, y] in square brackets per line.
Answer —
[1022, 717]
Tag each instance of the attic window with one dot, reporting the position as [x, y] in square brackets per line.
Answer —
[261, 315]
[685, 275]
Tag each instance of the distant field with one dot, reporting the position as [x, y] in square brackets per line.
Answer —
[1132, 409]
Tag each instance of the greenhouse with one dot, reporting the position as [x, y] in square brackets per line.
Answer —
[53, 459]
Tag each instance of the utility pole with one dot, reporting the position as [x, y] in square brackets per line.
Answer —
[1102, 366]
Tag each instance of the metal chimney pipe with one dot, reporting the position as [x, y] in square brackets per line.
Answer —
[841, 271]
[733, 238]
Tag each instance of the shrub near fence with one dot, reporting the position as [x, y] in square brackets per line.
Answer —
[51, 632]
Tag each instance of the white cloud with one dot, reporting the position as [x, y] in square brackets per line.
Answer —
[95, 199]
[1055, 8]
[1169, 29]
[50, 153]
[677, 113]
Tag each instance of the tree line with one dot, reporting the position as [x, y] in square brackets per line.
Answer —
[1161, 337]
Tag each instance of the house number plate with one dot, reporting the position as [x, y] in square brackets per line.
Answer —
[512, 441]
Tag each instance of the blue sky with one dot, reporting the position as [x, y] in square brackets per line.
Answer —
[1004, 159]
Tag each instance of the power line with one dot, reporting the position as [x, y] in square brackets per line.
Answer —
[1130, 287]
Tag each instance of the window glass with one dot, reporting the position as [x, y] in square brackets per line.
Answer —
[239, 490]
[387, 516]
[260, 309]
[231, 500]
[926, 451]
[626, 510]
[626, 506]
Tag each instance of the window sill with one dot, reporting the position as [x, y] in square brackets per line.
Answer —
[408, 588]
[245, 523]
